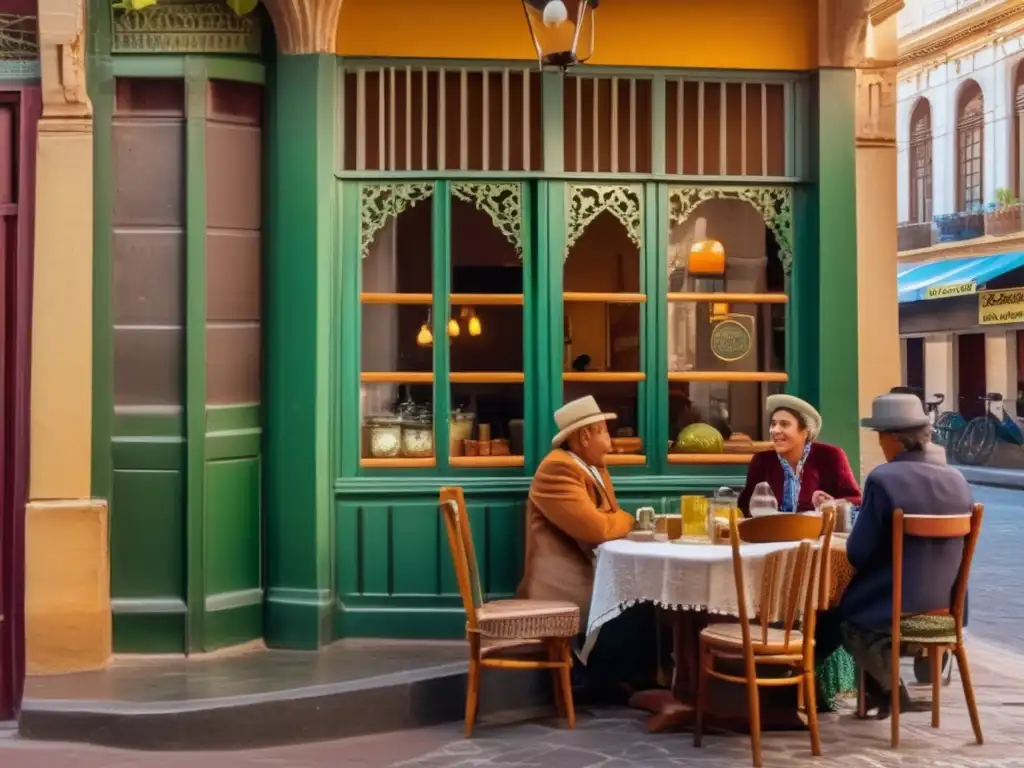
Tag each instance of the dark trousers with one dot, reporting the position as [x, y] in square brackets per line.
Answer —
[625, 658]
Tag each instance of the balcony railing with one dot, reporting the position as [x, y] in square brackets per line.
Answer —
[994, 219]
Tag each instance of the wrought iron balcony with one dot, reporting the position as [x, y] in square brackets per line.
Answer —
[911, 236]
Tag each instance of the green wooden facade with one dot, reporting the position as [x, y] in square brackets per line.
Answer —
[255, 519]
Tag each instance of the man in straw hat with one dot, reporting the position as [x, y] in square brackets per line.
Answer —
[570, 511]
[919, 482]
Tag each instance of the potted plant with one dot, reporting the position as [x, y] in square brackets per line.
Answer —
[1005, 217]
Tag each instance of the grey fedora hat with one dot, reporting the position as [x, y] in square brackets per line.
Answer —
[895, 412]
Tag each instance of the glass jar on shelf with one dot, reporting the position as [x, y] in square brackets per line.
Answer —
[384, 436]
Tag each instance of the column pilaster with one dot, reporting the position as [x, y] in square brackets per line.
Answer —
[67, 573]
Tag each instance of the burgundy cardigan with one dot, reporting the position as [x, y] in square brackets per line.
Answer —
[826, 469]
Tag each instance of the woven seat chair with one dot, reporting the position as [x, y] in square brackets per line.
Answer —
[938, 631]
[502, 633]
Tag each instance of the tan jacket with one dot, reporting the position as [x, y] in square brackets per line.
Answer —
[567, 516]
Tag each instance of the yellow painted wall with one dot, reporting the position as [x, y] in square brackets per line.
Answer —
[721, 34]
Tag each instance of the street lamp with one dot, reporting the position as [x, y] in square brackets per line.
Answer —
[557, 27]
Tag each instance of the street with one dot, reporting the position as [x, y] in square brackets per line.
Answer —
[996, 602]
[617, 739]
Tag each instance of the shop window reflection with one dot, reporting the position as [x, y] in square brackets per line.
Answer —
[726, 332]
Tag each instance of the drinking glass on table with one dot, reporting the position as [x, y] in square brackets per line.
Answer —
[695, 515]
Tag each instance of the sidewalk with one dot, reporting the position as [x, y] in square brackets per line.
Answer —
[992, 477]
[617, 739]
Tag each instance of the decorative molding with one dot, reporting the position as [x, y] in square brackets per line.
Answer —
[187, 28]
[587, 202]
[379, 203]
[924, 44]
[884, 9]
[775, 204]
[19, 39]
[986, 245]
[876, 107]
[305, 26]
[502, 202]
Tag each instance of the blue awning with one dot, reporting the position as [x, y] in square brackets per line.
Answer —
[914, 280]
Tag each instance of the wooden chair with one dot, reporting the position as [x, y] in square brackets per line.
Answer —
[937, 631]
[782, 527]
[789, 579]
[502, 628]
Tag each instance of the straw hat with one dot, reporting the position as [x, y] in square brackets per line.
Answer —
[809, 413]
[895, 412]
[576, 415]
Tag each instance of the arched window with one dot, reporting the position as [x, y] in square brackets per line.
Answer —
[970, 145]
[1018, 133]
[921, 162]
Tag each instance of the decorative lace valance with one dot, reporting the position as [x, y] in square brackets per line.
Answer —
[379, 203]
[587, 202]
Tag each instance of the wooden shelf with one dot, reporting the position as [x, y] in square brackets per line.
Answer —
[730, 376]
[488, 299]
[487, 377]
[606, 298]
[731, 298]
[396, 377]
[397, 298]
[603, 376]
[398, 463]
[624, 460]
[469, 462]
[710, 458]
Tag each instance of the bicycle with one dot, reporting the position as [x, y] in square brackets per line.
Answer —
[982, 434]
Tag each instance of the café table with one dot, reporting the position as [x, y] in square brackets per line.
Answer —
[694, 581]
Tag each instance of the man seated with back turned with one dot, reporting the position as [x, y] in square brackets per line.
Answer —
[570, 511]
[917, 480]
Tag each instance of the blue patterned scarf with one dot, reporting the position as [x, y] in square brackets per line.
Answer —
[791, 487]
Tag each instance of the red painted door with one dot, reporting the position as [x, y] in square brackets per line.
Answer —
[8, 226]
[971, 374]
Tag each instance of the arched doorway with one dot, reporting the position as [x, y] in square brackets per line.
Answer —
[19, 110]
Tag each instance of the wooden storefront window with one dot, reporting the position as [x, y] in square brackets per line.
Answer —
[725, 335]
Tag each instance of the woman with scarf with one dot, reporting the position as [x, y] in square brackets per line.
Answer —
[803, 474]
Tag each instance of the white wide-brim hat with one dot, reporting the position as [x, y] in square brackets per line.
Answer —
[796, 405]
[895, 412]
[576, 415]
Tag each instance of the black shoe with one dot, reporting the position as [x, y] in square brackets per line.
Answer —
[882, 702]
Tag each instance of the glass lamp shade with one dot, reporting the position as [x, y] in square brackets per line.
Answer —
[562, 30]
[707, 258]
[424, 338]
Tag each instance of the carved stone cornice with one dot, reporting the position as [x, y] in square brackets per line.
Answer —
[884, 9]
[924, 45]
[209, 27]
[305, 26]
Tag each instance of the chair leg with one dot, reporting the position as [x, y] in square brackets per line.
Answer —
[894, 705]
[809, 684]
[972, 705]
[703, 660]
[753, 712]
[472, 694]
[555, 655]
[801, 702]
[935, 661]
[862, 696]
[565, 673]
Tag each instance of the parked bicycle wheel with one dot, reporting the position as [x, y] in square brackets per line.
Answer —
[949, 428]
[978, 442]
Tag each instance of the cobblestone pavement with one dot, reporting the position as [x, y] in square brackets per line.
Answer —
[617, 739]
[997, 602]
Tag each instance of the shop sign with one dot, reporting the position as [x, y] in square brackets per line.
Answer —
[951, 289]
[730, 341]
[1001, 307]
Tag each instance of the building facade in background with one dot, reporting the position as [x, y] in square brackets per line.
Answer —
[343, 253]
[961, 240]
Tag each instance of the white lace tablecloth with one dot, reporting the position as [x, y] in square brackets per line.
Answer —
[675, 576]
